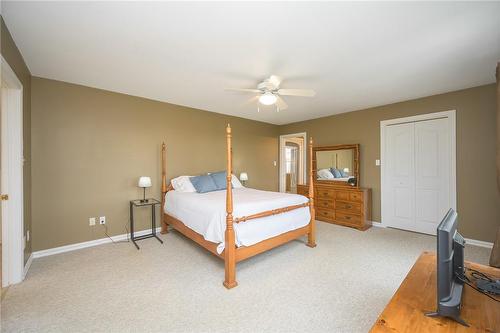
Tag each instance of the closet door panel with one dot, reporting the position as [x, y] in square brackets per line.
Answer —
[432, 173]
[400, 172]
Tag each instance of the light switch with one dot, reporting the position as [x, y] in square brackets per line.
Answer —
[377, 162]
[275, 163]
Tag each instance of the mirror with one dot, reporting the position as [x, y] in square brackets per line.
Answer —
[337, 164]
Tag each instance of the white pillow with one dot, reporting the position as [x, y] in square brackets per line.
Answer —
[236, 182]
[325, 174]
[183, 184]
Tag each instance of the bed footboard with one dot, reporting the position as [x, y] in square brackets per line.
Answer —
[164, 224]
[231, 254]
[311, 236]
[270, 212]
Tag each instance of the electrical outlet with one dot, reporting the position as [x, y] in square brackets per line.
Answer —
[102, 220]
[377, 162]
[28, 236]
[91, 221]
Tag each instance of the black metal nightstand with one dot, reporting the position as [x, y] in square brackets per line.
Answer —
[140, 203]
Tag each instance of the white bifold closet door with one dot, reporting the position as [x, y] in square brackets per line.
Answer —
[418, 175]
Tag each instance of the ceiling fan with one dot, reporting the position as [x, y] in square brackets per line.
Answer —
[269, 92]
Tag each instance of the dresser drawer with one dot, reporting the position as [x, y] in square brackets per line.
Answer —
[351, 207]
[324, 214]
[324, 193]
[356, 196]
[325, 204]
[342, 195]
[347, 218]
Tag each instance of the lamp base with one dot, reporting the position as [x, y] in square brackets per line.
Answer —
[144, 200]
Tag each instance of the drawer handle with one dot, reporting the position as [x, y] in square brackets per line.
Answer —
[325, 203]
[347, 217]
[348, 206]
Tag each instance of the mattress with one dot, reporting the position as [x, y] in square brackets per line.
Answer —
[205, 213]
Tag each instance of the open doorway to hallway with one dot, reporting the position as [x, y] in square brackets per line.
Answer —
[292, 161]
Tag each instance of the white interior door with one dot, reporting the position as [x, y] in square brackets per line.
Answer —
[432, 174]
[418, 174]
[400, 168]
[11, 176]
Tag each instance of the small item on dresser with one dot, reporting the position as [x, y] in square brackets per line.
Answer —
[352, 181]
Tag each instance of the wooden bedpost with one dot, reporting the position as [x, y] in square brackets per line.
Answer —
[164, 225]
[311, 236]
[230, 245]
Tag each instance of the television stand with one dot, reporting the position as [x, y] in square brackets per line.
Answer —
[457, 319]
[416, 296]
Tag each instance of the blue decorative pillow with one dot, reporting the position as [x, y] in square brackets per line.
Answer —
[336, 173]
[219, 179]
[203, 184]
[344, 174]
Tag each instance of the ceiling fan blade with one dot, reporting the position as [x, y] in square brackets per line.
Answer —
[249, 101]
[280, 104]
[253, 91]
[297, 92]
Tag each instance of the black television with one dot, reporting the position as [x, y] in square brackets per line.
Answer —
[450, 269]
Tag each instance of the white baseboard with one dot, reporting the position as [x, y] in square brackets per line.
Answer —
[479, 243]
[83, 245]
[28, 265]
[377, 224]
[469, 241]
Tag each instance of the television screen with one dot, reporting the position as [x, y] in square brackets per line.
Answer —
[450, 268]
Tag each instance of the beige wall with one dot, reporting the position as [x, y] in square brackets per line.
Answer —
[89, 147]
[12, 55]
[478, 196]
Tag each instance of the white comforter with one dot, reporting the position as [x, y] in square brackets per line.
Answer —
[205, 213]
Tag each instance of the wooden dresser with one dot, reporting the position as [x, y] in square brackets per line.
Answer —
[344, 205]
[417, 295]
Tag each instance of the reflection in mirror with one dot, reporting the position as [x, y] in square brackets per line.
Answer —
[335, 164]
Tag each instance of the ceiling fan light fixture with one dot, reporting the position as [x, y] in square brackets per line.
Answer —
[267, 98]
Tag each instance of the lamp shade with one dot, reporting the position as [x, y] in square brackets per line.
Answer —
[346, 169]
[243, 176]
[144, 182]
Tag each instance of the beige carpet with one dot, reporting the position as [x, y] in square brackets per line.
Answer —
[340, 286]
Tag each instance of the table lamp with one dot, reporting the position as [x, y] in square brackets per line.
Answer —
[144, 182]
[244, 177]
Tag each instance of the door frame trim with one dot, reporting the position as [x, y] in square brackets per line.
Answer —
[282, 177]
[12, 177]
[451, 116]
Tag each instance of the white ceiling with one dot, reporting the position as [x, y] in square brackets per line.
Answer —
[355, 55]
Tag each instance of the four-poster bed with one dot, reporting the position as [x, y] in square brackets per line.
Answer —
[233, 250]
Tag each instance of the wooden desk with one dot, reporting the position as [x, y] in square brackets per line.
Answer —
[417, 296]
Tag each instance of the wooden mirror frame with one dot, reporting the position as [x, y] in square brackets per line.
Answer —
[337, 147]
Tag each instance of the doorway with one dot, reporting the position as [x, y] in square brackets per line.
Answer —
[292, 161]
[11, 176]
[418, 174]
